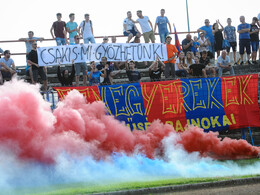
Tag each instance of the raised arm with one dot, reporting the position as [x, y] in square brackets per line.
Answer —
[222, 28]
[200, 30]
[152, 65]
[126, 66]
[72, 75]
[163, 65]
[59, 73]
[134, 21]
[91, 72]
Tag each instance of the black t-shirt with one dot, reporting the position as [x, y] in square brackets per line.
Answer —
[205, 62]
[106, 79]
[197, 69]
[186, 42]
[155, 75]
[33, 57]
[101, 66]
[110, 69]
[254, 36]
[133, 75]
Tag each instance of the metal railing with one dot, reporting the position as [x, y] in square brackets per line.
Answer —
[96, 37]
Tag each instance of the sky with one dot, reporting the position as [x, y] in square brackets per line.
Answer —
[19, 17]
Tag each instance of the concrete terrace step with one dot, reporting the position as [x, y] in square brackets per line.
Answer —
[122, 77]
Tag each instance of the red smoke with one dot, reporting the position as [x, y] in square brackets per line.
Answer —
[32, 131]
[208, 144]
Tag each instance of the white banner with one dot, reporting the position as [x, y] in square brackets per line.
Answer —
[49, 56]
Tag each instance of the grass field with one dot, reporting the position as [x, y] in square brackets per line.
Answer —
[81, 188]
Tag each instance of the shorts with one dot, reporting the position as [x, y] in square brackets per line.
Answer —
[39, 71]
[80, 66]
[149, 35]
[132, 31]
[72, 40]
[163, 36]
[233, 45]
[255, 46]
[60, 41]
[89, 39]
[244, 44]
[6, 75]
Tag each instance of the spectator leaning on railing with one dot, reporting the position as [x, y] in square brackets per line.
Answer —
[59, 28]
[86, 30]
[130, 29]
[36, 69]
[146, 26]
[244, 39]
[72, 28]
[161, 22]
[28, 43]
[8, 68]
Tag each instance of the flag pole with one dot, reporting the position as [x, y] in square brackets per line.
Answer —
[187, 11]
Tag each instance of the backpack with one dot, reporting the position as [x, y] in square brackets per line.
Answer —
[84, 22]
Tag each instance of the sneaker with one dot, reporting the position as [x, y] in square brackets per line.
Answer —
[254, 62]
[241, 63]
[235, 63]
[248, 62]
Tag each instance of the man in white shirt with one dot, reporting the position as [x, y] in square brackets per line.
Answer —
[87, 30]
[224, 64]
[130, 29]
[146, 26]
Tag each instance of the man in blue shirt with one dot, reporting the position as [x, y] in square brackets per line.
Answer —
[162, 22]
[71, 28]
[207, 30]
[244, 39]
[7, 66]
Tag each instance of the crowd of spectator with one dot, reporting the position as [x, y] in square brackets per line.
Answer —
[197, 57]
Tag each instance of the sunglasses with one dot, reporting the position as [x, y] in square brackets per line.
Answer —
[105, 39]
